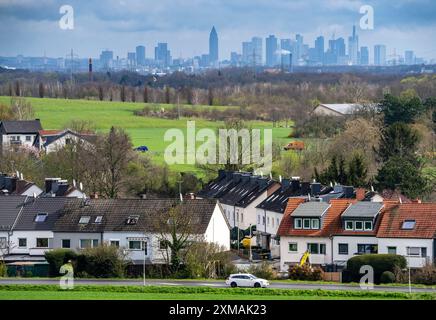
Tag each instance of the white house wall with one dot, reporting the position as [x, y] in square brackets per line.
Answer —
[31, 237]
[287, 257]
[218, 231]
[352, 242]
[402, 244]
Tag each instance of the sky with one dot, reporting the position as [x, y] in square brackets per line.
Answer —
[31, 28]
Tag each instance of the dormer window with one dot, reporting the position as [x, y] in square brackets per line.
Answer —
[368, 225]
[408, 225]
[98, 219]
[360, 225]
[41, 217]
[132, 220]
[84, 219]
[306, 223]
[298, 223]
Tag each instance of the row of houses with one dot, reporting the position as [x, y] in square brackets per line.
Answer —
[53, 187]
[30, 226]
[334, 232]
[30, 134]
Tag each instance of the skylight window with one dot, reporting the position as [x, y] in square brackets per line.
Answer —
[84, 219]
[132, 220]
[98, 219]
[408, 225]
[41, 217]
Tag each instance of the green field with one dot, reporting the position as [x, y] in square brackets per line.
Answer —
[105, 292]
[148, 131]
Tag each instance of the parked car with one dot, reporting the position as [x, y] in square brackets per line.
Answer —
[246, 280]
[295, 145]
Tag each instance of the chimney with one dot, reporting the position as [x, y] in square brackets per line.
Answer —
[295, 184]
[360, 194]
[348, 192]
[95, 196]
[305, 187]
[49, 184]
[285, 183]
[2, 180]
[315, 188]
[221, 174]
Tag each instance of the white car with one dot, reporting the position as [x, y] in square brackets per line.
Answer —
[246, 280]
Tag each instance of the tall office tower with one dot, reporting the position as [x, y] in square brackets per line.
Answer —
[235, 59]
[380, 55]
[364, 56]
[319, 49]
[131, 59]
[271, 51]
[247, 53]
[257, 51]
[298, 49]
[409, 57]
[140, 55]
[162, 55]
[213, 47]
[106, 59]
[353, 48]
[286, 53]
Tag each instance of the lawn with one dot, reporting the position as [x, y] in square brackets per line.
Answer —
[105, 292]
[148, 131]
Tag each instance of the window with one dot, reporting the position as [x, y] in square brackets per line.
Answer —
[42, 242]
[392, 250]
[358, 225]
[22, 243]
[95, 243]
[68, 141]
[85, 243]
[84, 219]
[138, 245]
[66, 243]
[298, 223]
[41, 217]
[278, 222]
[163, 245]
[349, 225]
[368, 225]
[132, 220]
[3, 243]
[293, 247]
[424, 252]
[414, 251]
[272, 221]
[408, 225]
[315, 223]
[263, 221]
[343, 248]
[316, 248]
[98, 219]
[28, 138]
[367, 248]
[267, 219]
[115, 243]
[258, 219]
[242, 217]
[306, 223]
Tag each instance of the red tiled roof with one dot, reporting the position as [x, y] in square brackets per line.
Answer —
[49, 132]
[424, 215]
[331, 221]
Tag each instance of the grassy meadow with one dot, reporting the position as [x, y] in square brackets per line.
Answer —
[148, 131]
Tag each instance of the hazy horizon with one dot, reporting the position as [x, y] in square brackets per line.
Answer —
[31, 28]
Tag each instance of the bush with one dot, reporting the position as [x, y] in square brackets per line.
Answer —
[263, 270]
[387, 277]
[3, 270]
[305, 272]
[425, 275]
[57, 258]
[379, 262]
[102, 262]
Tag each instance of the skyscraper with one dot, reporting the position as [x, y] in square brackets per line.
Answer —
[380, 55]
[213, 47]
[319, 49]
[271, 51]
[257, 51]
[364, 56]
[247, 53]
[140, 55]
[409, 57]
[131, 59]
[162, 55]
[106, 59]
[353, 48]
[298, 48]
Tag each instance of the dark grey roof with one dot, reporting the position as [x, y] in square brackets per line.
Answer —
[10, 207]
[311, 209]
[218, 187]
[52, 206]
[363, 210]
[22, 126]
[91, 138]
[115, 213]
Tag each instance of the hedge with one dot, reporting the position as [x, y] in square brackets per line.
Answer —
[379, 262]
[57, 258]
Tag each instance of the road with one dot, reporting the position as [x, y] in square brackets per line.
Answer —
[215, 284]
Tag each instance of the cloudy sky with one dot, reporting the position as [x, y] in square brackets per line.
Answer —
[31, 27]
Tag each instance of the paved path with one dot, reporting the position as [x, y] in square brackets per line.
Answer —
[215, 284]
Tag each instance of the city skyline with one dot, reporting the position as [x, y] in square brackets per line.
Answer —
[32, 30]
